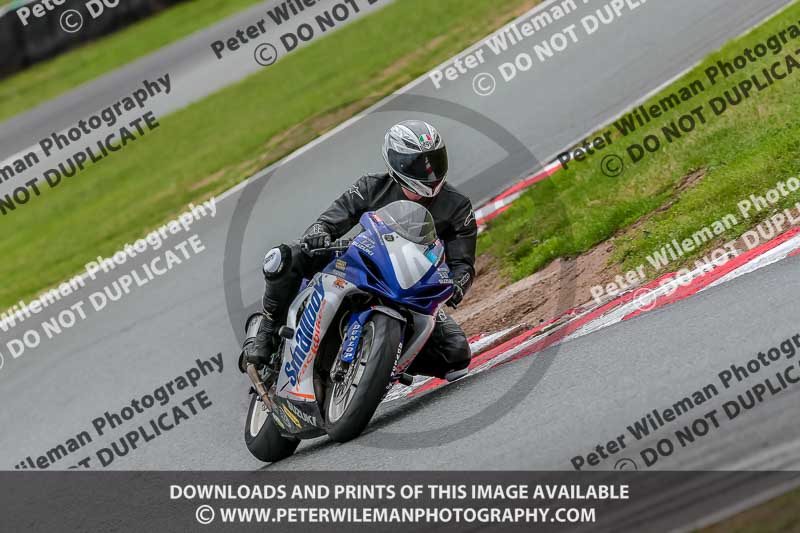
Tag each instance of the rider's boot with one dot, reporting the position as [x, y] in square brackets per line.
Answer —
[261, 342]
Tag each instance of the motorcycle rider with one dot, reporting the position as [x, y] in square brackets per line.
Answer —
[416, 158]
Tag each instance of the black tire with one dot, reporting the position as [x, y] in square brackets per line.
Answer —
[267, 444]
[374, 379]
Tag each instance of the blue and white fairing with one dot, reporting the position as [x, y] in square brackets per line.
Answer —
[398, 258]
[406, 268]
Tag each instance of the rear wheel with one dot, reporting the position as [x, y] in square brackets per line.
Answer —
[262, 436]
[354, 397]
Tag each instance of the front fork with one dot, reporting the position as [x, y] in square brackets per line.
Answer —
[352, 340]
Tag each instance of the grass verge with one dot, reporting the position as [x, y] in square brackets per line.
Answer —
[209, 146]
[780, 515]
[49, 79]
[747, 150]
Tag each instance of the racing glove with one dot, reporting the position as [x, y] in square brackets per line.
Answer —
[317, 237]
[459, 288]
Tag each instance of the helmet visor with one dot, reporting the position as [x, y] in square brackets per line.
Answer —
[428, 168]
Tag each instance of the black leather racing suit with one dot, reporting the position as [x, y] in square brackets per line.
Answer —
[447, 348]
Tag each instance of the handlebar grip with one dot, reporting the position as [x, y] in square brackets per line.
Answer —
[339, 246]
[336, 246]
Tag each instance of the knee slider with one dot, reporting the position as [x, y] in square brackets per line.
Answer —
[459, 352]
[277, 262]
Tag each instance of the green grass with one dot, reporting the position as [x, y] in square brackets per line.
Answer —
[746, 151]
[49, 79]
[215, 143]
[780, 515]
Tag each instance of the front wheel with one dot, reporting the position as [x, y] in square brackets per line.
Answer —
[354, 398]
[262, 436]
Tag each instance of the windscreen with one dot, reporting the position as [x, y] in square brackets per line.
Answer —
[409, 220]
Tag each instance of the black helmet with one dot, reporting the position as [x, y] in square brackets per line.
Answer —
[416, 156]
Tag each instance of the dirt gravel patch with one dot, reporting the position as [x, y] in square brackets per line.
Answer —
[494, 303]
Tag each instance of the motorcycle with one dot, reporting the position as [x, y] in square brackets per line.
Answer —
[350, 333]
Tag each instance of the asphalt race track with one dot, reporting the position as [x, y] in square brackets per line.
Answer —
[653, 362]
[194, 70]
[538, 413]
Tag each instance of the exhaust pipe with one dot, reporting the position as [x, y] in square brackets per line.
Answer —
[261, 390]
